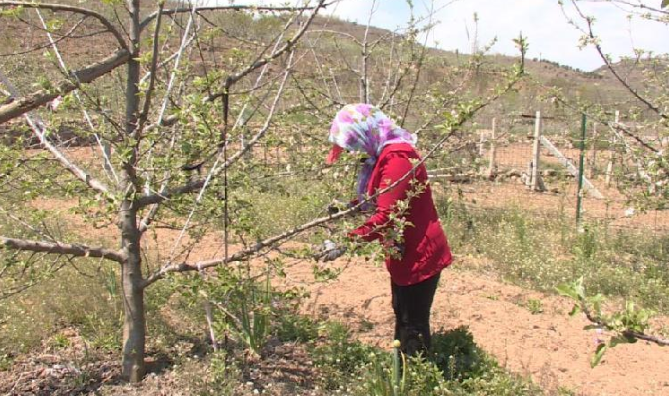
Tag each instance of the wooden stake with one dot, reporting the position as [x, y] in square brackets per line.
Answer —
[593, 159]
[536, 153]
[609, 166]
[492, 166]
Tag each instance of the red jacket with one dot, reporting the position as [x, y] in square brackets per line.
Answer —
[426, 250]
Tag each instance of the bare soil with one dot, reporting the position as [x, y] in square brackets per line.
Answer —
[550, 347]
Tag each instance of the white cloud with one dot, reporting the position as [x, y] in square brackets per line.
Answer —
[542, 21]
[549, 34]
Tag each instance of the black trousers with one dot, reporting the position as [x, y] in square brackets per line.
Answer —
[412, 306]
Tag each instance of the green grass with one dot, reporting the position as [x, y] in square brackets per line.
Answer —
[66, 300]
[455, 366]
[542, 253]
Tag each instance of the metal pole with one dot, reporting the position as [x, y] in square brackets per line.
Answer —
[579, 198]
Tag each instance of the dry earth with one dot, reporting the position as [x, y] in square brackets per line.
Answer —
[552, 348]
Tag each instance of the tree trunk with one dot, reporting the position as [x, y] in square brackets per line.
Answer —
[134, 323]
[134, 326]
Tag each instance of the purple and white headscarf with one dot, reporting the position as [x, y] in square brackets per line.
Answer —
[365, 128]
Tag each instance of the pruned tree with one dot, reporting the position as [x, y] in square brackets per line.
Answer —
[639, 142]
[639, 134]
[191, 110]
[145, 130]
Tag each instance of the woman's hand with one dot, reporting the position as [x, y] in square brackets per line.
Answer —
[329, 251]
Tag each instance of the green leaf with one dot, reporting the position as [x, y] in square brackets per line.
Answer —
[665, 3]
[567, 290]
[599, 353]
[618, 339]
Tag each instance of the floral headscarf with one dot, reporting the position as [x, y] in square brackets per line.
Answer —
[365, 128]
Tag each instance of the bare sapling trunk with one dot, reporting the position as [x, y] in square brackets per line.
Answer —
[134, 322]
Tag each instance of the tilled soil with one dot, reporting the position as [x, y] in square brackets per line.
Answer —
[550, 347]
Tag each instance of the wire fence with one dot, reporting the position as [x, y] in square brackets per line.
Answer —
[534, 164]
[529, 162]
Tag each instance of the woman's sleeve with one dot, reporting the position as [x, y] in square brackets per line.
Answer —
[393, 170]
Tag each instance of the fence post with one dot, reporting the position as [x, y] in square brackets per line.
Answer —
[493, 138]
[593, 158]
[536, 153]
[581, 160]
[609, 166]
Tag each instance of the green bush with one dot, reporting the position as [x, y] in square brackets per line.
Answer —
[456, 353]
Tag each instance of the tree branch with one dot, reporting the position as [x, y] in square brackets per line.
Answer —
[39, 129]
[232, 79]
[242, 255]
[154, 66]
[607, 62]
[601, 323]
[76, 250]
[88, 74]
[64, 7]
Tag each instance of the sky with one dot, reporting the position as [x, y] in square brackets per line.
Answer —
[541, 21]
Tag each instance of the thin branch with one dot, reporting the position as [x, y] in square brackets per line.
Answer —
[286, 47]
[39, 130]
[633, 5]
[154, 66]
[67, 35]
[364, 82]
[607, 62]
[79, 10]
[344, 34]
[601, 323]
[88, 74]
[76, 250]
[419, 66]
[109, 168]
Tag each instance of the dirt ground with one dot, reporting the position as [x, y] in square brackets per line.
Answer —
[551, 347]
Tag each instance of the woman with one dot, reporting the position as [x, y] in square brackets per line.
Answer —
[417, 244]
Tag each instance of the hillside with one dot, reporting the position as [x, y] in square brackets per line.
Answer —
[247, 34]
